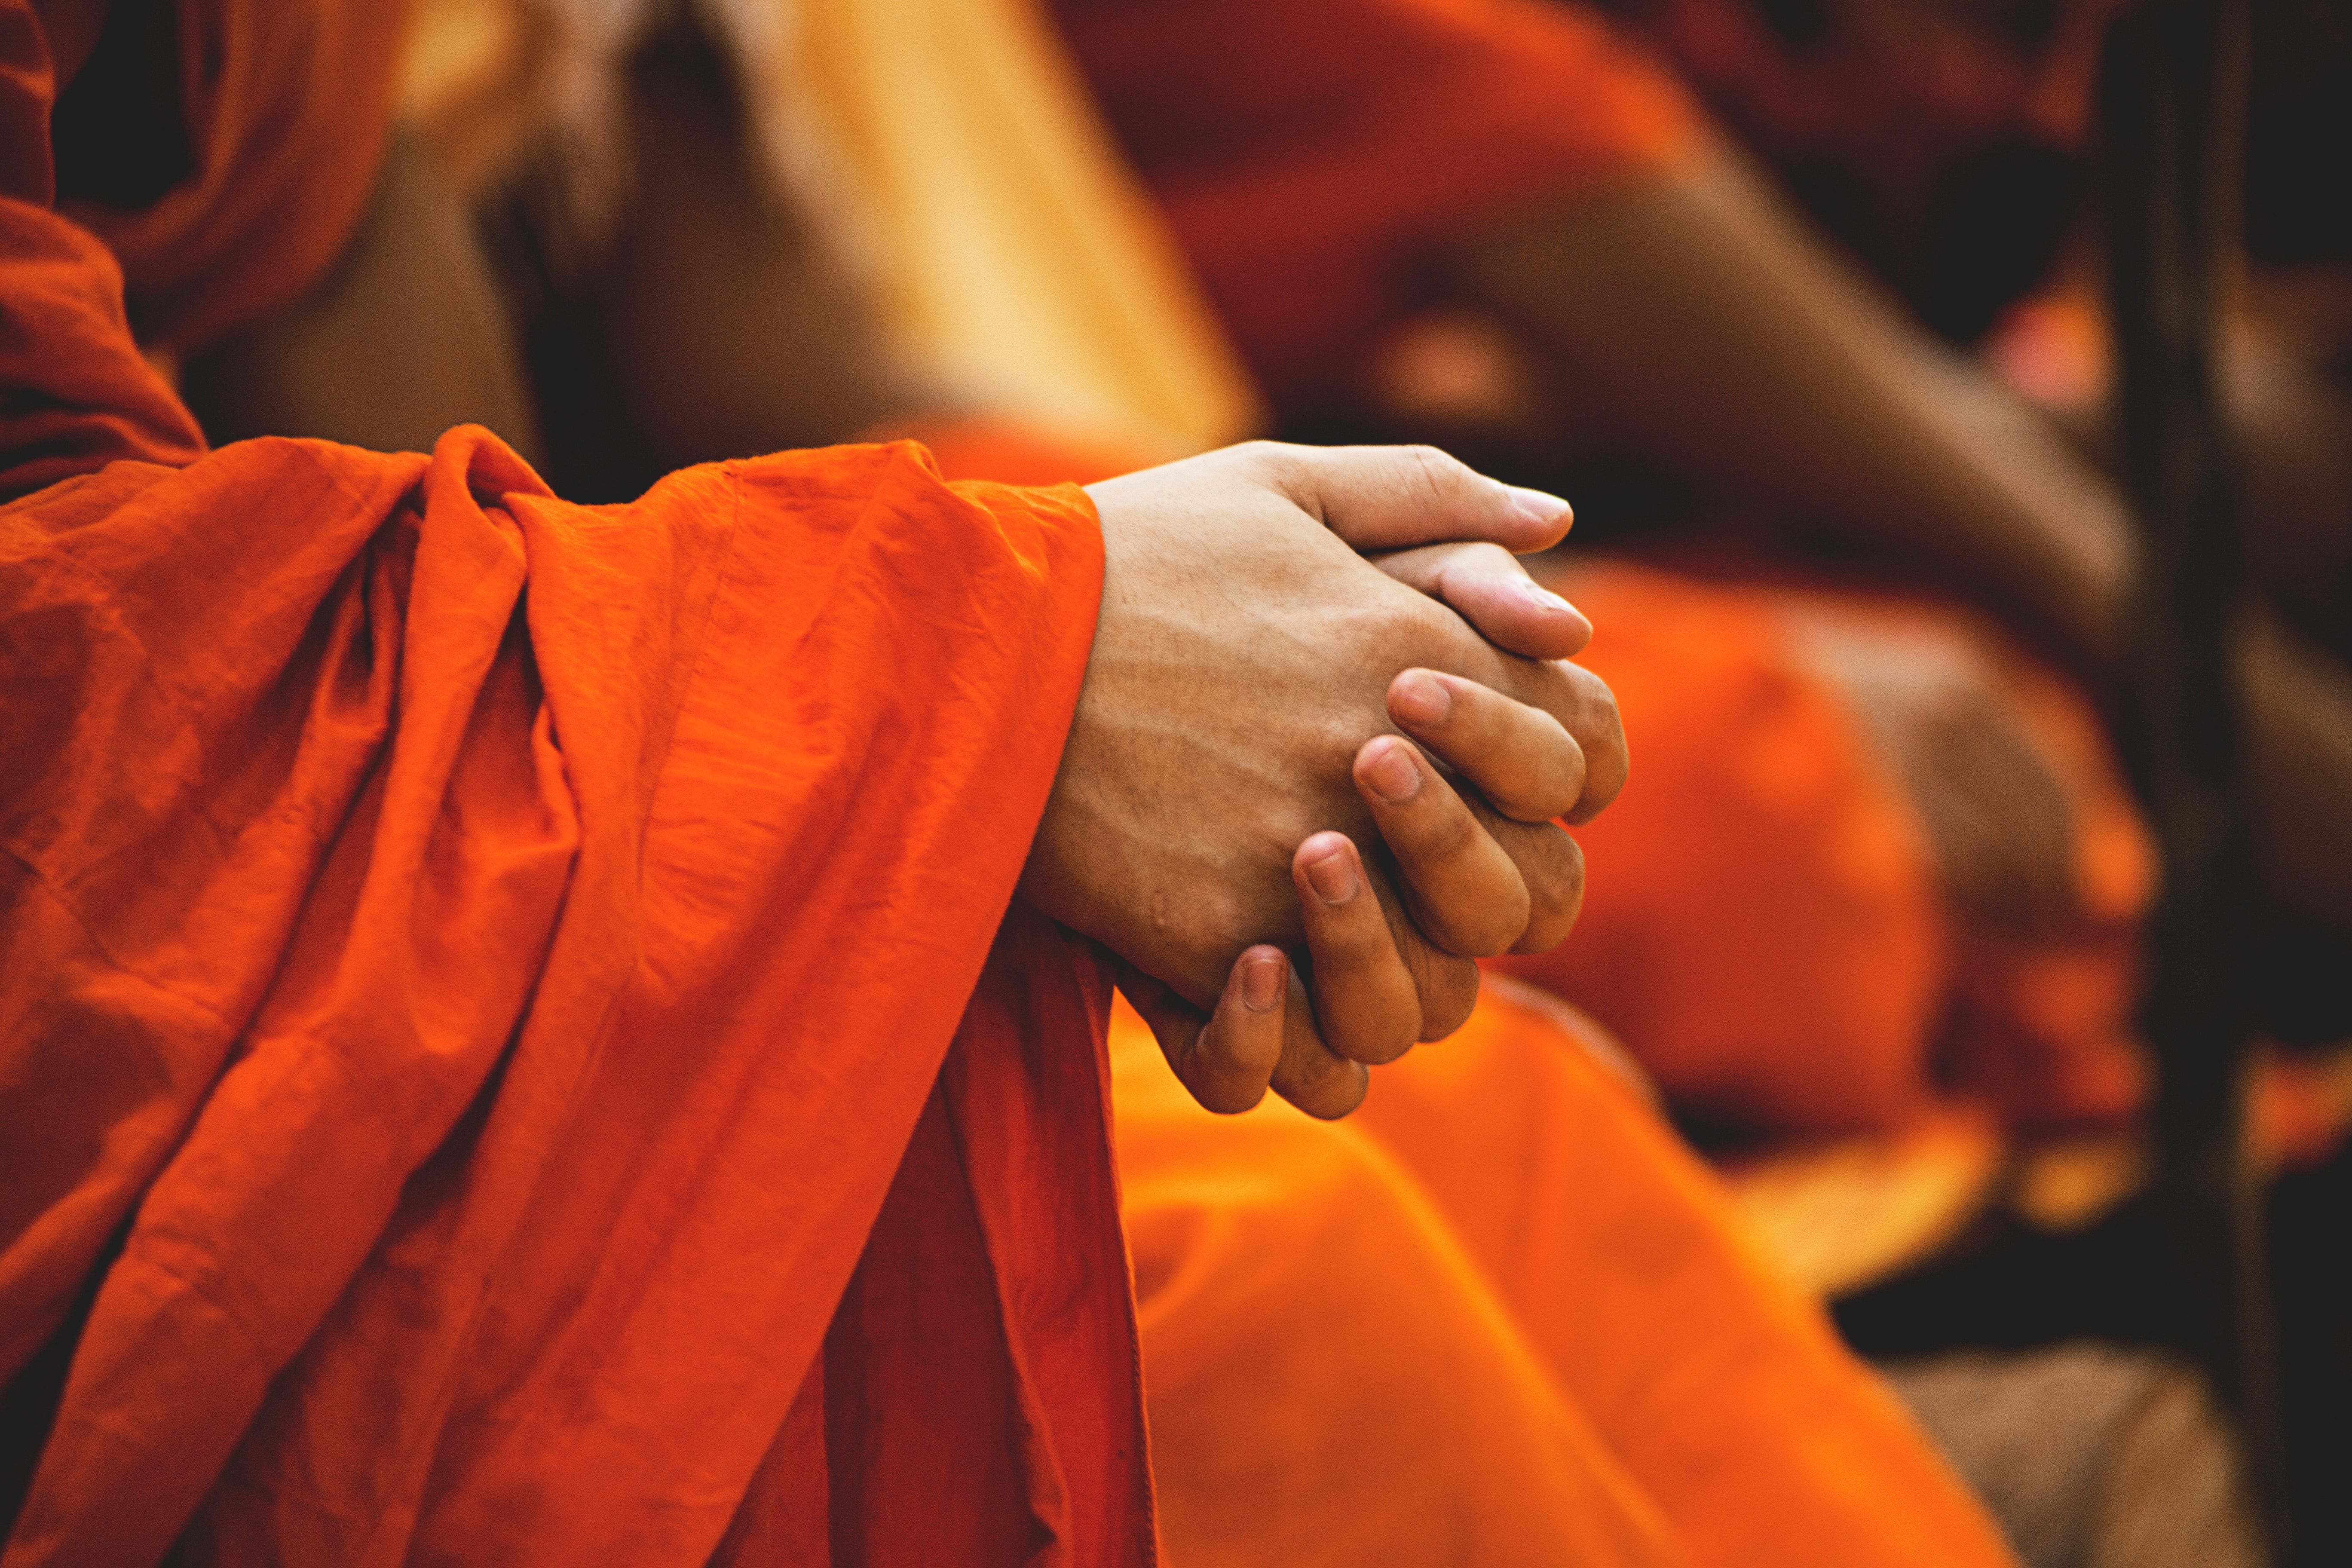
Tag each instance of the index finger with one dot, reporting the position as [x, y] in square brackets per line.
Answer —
[1487, 586]
[1389, 498]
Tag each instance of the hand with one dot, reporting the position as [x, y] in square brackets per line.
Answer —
[1244, 653]
[1266, 1030]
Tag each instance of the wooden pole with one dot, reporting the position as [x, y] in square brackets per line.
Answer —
[2173, 108]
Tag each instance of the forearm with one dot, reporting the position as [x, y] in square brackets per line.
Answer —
[1717, 335]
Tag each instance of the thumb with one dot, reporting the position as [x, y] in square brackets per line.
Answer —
[1389, 498]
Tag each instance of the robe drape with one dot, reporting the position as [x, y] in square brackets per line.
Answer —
[515, 1041]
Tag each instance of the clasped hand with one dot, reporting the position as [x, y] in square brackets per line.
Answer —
[1326, 713]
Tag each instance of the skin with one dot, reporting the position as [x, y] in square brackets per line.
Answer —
[1227, 758]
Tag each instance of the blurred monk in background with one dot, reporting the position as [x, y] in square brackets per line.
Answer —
[1611, 279]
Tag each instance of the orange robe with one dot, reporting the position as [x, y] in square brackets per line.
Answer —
[1313, 155]
[1761, 924]
[1501, 1315]
[506, 1047]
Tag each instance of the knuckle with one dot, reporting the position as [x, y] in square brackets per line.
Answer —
[1415, 625]
[1226, 1094]
[1326, 1087]
[1434, 468]
[1348, 946]
[1286, 467]
[1485, 925]
[1556, 896]
[1449, 993]
[1383, 1038]
[1435, 478]
[1550, 786]
[1596, 705]
[1551, 687]
[1496, 928]
[1266, 454]
[1433, 828]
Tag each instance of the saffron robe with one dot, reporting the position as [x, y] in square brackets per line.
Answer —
[515, 1042]
[1500, 1315]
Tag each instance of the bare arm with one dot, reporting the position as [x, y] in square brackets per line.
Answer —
[1716, 334]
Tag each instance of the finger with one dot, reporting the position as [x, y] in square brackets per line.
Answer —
[1366, 1006]
[1522, 759]
[1311, 1076]
[1389, 498]
[1463, 888]
[1446, 983]
[1579, 699]
[1551, 865]
[1227, 1058]
[1599, 732]
[1485, 585]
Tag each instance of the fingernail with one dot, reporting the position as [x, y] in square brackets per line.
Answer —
[1543, 598]
[1333, 878]
[1261, 983]
[1539, 508]
[1420, 698]
[1392, 774]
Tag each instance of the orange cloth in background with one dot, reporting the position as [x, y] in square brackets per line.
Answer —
[1499, 1315]
[2048, 1030]
[287, 107]
[1764, 923]
[1312, 156]
[1761, 924]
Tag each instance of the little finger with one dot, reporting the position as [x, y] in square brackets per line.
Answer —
[1228, 1057]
